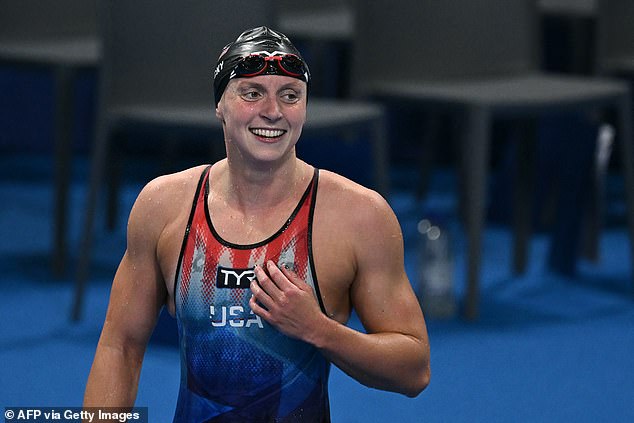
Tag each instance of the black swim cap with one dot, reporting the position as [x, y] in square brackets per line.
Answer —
[257, 40]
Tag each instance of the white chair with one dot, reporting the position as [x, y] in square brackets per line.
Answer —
[157, 76]
[61, 36]
[477, 61]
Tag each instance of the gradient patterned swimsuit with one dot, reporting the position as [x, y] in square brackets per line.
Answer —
[235, 367]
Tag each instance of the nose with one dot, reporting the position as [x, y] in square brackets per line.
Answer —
[271, 110]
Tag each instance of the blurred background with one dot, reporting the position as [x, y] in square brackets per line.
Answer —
[500, 131]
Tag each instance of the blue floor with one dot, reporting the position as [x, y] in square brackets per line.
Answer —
[546, 348]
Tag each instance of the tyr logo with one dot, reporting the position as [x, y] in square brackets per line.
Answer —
[234, 278]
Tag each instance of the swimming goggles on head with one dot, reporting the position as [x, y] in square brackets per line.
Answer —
[284, 64]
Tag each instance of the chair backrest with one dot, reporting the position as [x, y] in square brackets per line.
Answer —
[585, 8]
[37, 19]
[615, 36]
[286, 6]
[164, 51]
[442, 39]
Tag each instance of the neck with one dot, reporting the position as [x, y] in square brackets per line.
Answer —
[260, 188]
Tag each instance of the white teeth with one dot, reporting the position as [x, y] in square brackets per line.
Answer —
[268, 133]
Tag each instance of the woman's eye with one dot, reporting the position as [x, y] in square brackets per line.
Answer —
[290, 97]
[251, 95]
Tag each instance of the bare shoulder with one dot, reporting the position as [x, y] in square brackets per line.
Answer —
[352, 204]
[174, 184]
[162, 199]
[356, 233]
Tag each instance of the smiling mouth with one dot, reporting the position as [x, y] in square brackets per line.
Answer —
[268, 133]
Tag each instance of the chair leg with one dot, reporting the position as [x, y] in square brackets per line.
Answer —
[475, 160]
[591, 226]
[170, 149]
[64, 77]
[381, 156]
[523, 194]
[627, 157]
[115, 161]
[97, 170]
[427, 157]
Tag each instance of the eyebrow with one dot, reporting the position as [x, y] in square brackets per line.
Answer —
[246, 84]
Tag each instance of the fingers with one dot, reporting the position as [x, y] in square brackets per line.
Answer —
[273, 278]
[272, 283]
[282, 298]
[280, 279]
[266, 278]
[290, 274]
[263, 288]
[259, 307]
